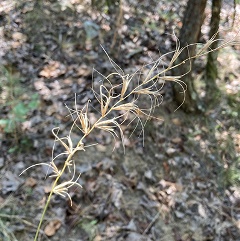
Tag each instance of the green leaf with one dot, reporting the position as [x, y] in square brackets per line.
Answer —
[13, 149]
[33, 104]
[4, 122]
[20, 111]
[8, 125]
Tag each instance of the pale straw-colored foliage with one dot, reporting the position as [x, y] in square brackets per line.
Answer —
[119, 96]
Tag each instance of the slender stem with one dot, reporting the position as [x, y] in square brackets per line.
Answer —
[44, 211]
[50, 195]
[69, 158]
[122, 98]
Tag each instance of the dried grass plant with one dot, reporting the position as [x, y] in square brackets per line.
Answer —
[118, 96]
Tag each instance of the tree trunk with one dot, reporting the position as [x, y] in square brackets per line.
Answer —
[211, 67]
[189, 34]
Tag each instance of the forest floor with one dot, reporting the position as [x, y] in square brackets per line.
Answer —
[178, 183]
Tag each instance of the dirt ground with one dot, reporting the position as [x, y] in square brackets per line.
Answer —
[177, 182]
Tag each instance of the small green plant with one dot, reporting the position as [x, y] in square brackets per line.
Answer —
[233, 174]
[89, 226]
[17, 104]
[123, 98]
[18, 113]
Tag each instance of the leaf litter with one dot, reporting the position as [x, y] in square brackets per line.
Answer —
[170, 190]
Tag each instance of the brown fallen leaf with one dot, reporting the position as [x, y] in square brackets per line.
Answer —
[47, 189]
[176, 122]
[17, 36]
[52, 227]
[131, 182]
[53, 69]
[238, 224]
[30, 182]
[98, 238]
[42, 88]
[166, 167]
[84, 70]
[42, 202]
[176, 140]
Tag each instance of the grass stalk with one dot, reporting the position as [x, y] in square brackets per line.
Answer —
[48, 201]
[115, 107]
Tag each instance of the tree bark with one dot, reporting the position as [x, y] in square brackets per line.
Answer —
[189, 34]
[211, 67]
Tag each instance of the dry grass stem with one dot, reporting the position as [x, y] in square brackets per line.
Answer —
[120, 99]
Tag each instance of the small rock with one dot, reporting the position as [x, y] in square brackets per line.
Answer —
[170, 151]
[202, 211]
[201, 185]
[160, 156]
[131, 226]
[149, 175]
[11, 183]
[84, 168]
[179, 214]
[19, 167]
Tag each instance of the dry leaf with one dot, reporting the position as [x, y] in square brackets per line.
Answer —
[131, 182]
[238, 224]
[53, 69]
[176, 140]
[42, 88]
[30, 182]
[52, 227]
[84, 70]
[17, 36]
[166, 167]
[47, 189]
[202, 211]
[98, 238]
[176, 122]
[116, 195]
[101, 148]
[42, 202]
